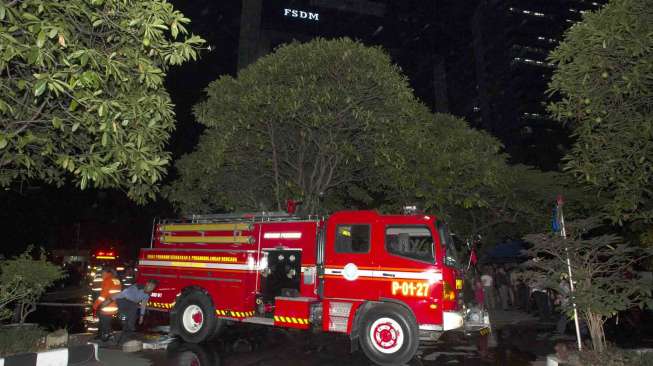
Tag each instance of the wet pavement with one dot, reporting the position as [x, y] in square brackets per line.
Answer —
[246, 345]
[517, 339]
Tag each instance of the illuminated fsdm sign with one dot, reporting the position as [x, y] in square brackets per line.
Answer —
[294, 13]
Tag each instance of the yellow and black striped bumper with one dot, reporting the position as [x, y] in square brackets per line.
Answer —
[160, 305]
[291, 321]
[234, 314]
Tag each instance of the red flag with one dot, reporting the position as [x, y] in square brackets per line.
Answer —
[472, 257]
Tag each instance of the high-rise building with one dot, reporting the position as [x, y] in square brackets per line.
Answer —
[410, 30]
[484, 60]
[511, 43]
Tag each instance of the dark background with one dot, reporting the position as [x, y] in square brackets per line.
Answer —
[482, 60]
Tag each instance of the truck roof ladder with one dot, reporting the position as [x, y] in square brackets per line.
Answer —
[275, 216]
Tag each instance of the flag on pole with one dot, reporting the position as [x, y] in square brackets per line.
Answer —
[556, 220]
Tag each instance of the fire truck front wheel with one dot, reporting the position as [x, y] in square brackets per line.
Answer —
[194, 317]
[389, 335]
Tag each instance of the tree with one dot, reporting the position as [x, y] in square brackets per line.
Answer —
[603, 270]
[304, 122]
[81, 91]
[519, 203]
[334, 123]
[603, 78]
[22, 282]
[460, 173]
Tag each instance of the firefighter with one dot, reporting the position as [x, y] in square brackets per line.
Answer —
[103, 306]
[131, 305]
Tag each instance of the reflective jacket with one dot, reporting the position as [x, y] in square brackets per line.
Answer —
[110, 286]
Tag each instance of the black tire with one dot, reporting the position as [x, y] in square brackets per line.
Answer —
[191, 354]
[186, 322]
[220, 326]
[389, 335]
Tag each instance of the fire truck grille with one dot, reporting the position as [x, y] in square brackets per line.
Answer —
[339, 309]
[339, 316]
[338, 324]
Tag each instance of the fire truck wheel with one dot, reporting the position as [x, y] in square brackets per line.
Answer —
[193, 354]
[194, 317]
[389, 335]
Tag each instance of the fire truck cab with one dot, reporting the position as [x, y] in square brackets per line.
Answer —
[388, 281]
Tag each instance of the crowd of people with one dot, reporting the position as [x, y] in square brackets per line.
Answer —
[505, 287]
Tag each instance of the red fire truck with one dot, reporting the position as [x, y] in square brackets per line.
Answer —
[387, 281]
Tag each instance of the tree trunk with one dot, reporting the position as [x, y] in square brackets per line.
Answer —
[17, 313]
[595, 325]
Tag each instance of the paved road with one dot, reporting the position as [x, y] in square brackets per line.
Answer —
[518, 341]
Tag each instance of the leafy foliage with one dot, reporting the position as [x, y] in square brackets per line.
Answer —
[520, 202]
[331, 123]
[614, 357]
[602, 269]
[81, 91]
[21, 339]
[23, 280]
[304, 122]
[335, 124]
[604, 68]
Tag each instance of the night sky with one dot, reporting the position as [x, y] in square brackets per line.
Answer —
[418, 34]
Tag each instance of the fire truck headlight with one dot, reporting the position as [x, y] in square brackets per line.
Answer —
[434, 277]
[263, 263]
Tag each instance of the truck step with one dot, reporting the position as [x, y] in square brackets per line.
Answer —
[259, 320]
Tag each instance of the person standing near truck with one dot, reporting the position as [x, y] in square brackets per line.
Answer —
[488, 289]
[103, 306]
[132, 303]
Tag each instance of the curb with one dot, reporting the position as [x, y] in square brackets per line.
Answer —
[552, 360]
[54, 357]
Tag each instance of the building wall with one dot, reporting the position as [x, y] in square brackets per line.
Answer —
[407, 29]
[512, 40]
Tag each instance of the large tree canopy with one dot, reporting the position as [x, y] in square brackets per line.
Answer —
[604, 68]
[81, 91]
[334, 123]
[299, 123]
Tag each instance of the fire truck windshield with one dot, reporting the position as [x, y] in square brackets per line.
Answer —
[413, 242]
[450, 251]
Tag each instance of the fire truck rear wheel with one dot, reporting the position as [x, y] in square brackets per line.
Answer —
[193, 354]
[195, 318]
[389, 335]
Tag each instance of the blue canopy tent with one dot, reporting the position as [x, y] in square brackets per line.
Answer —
[506, 252]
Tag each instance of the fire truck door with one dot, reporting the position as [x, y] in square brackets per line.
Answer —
[348, 264]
